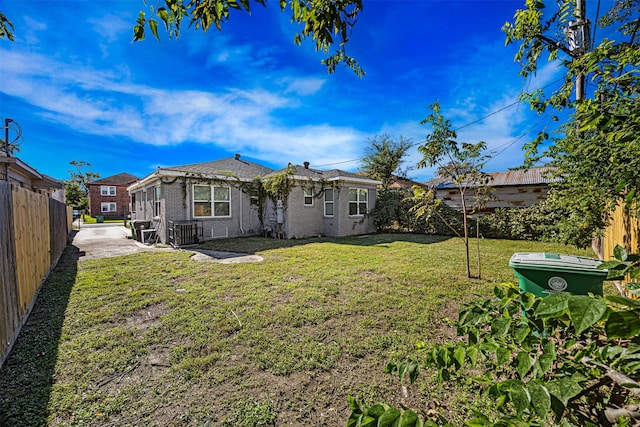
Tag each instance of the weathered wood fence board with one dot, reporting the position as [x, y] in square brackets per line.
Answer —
[31, 224]
[624, 230]
[9, 301]
[58, 215]
[34, 230]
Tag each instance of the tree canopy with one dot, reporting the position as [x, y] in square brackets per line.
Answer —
[384, 157]
[327, 23]
[597, 153]
[77, 186]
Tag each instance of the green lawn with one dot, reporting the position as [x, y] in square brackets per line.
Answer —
[158, 339]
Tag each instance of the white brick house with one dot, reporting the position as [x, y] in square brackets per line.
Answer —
[226, 198]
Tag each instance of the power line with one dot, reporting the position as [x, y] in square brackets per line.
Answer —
[513, 141]
[457, 129]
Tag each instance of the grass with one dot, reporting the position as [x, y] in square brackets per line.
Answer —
[158, 339]
[86, 219]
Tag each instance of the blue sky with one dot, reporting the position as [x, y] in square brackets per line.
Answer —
[80, 90]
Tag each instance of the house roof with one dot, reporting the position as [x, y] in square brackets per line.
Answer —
[329, 175]
[220, 169]
[21, 166]
[119, 179]
[49, 182]
[232, 166]
[533, 176]
[405, 183]
[38, 180]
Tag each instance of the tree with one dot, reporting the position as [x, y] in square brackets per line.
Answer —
[6, 27]
[384, 157]
[321, 20]
[597, 153]
[77, 186]
[461, 163]
[383, 160]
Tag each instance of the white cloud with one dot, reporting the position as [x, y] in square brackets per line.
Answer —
[303, 86]
[98, 103]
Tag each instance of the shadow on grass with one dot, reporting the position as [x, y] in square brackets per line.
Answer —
[252, 245]
[28, 372]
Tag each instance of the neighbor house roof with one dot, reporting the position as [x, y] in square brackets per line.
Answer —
[533, 176]
[119, 179]
[405, 183]
[50, 182]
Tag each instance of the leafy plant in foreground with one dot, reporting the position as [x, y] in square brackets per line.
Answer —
[564, 359]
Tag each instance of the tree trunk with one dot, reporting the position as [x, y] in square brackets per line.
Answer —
[478, 244]
[466, 234]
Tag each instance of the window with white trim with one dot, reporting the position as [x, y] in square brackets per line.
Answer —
[211, 202]
[308, 196]
[328, 202]
[358, 201]
[107, 190]
[108, 207]
[157, 193]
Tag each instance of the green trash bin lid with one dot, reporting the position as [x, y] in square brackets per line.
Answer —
[546, 261]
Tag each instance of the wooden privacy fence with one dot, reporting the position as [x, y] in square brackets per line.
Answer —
[624, 230]
[34, 230]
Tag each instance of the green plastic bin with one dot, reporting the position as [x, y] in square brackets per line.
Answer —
[99, 219]
[543, 273]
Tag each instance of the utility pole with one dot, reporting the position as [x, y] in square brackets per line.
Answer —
[583, 31]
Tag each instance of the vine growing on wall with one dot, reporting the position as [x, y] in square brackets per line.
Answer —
[277, 186]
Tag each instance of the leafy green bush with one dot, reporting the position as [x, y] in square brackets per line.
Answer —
[546, 221]
[390, 212]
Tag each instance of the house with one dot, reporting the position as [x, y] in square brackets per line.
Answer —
[512, 189]
[14, 170]
[108, 197]
[202, 201]
[233, 197]
[328, 203]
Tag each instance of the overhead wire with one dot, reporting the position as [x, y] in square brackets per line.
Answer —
[458, 128]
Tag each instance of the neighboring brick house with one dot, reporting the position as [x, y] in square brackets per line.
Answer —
[209, 200]
[108, 197]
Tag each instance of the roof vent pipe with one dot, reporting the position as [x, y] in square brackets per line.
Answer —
[306, 165]
[237, 156]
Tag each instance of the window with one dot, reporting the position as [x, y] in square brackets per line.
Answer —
[108, 207]
[132, 208]
[156, 201]
[107, 190]
[357, 201]
[254, 196]
[308, 197]
[328, 202]
[210, 201]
